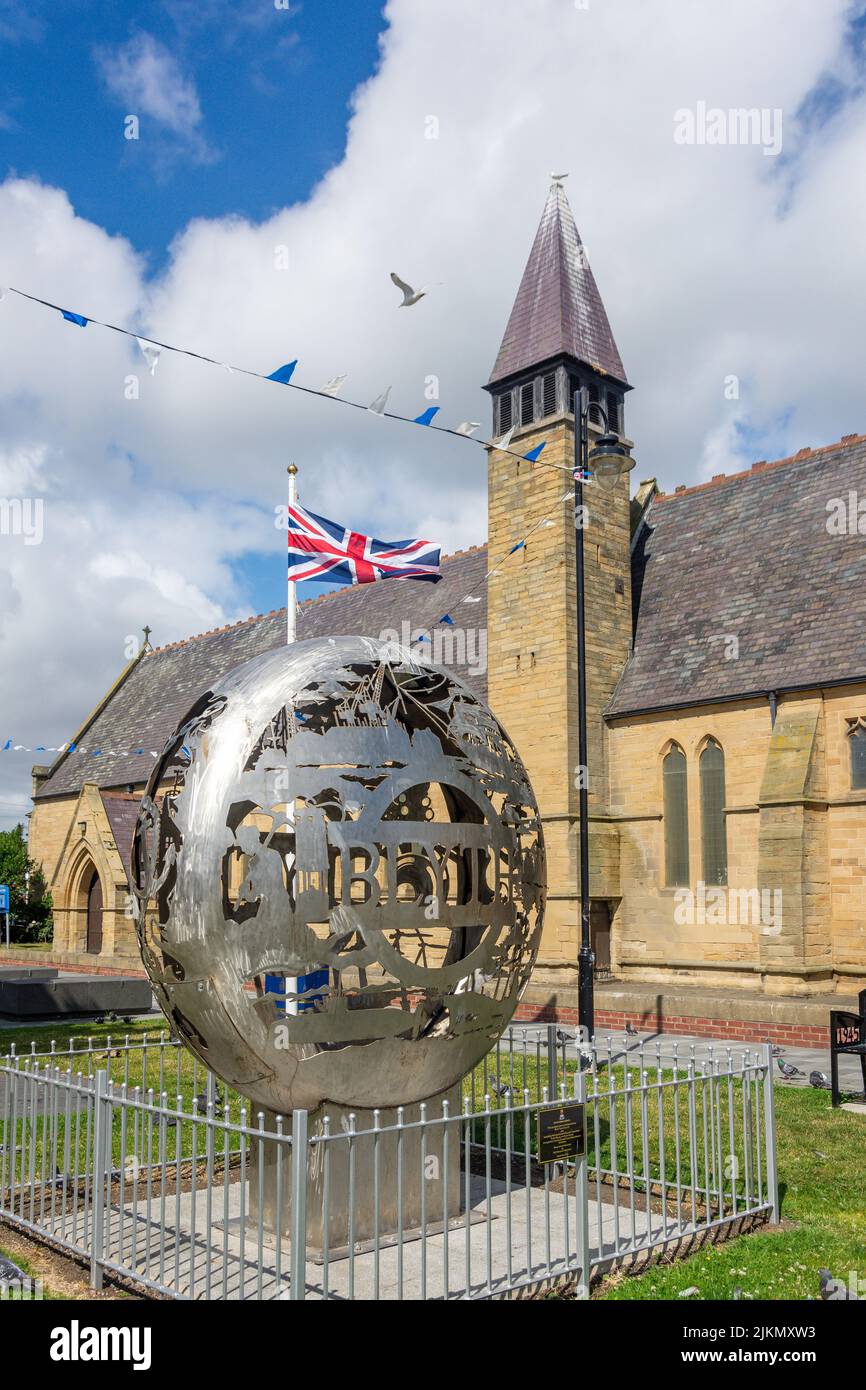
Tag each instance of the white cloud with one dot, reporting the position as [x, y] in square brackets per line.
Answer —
[710, 261]
[148, 79]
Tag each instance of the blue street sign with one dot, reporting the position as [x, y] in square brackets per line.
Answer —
[4, 897]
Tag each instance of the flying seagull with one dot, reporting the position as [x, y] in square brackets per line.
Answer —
[410, 296]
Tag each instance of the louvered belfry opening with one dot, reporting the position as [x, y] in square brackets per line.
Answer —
[548, 393]
[551, 392]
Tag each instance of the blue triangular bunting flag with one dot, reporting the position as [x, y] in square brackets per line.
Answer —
[284, 374]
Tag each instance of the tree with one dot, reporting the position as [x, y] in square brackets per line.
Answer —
[30, 903]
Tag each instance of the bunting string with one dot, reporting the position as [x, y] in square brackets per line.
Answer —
[152, 348]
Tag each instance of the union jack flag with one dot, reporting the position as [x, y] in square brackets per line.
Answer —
[320, 549]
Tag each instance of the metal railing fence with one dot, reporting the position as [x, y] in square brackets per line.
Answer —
[129, 1154]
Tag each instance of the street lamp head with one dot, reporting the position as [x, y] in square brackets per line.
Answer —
[608, 458]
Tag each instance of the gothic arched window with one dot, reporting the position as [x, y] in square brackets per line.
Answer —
[857, 742]
[676, 813]
[713, 833]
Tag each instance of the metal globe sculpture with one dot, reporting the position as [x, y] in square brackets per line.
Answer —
[340, 878]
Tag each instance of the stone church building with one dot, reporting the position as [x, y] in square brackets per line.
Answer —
[726, 685]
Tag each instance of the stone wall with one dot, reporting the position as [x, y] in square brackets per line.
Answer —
[794, 829]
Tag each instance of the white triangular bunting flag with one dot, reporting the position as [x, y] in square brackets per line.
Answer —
[333, 387]
[378, 405]
[468, 427]
[150, 354]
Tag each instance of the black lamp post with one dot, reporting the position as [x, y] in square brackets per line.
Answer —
[608, 458]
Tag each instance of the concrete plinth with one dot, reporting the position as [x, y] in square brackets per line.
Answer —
[27, 972]
[36, 996]
[418, 1178]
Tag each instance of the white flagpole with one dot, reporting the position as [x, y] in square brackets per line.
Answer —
[292, 599]
[291, 983]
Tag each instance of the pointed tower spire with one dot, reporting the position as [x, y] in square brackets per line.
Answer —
[558, 311]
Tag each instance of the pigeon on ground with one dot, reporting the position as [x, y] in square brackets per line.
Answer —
[631, 1030]
[498, 1088]
[9, 1272]
[777, 1051]
[788, 1070]
[835, 1289]
[820, 1080]
[201, 1100]
[410, 296]
[563, 1038]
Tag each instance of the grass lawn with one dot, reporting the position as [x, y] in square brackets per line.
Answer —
[822, 1180]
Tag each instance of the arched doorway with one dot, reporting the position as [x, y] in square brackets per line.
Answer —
[94, 915]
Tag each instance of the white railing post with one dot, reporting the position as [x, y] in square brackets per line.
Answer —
[299, 1204]
[581, 1192]
[101, 1161]
[552, 1060]
[770, 1134]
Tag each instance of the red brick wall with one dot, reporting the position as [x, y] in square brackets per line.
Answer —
[804, 1035]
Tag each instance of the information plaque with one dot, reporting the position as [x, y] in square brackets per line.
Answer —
[562, 1132]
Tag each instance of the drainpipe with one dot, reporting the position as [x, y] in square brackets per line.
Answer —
[771, 696]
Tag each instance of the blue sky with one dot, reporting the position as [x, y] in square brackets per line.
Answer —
[258, 115]
[272, 86]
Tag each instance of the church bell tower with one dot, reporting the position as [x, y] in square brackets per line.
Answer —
[558, 339]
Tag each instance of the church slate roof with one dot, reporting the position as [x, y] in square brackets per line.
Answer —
[749, 556]
[122, 808]
[149, 703]
[558, 309]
